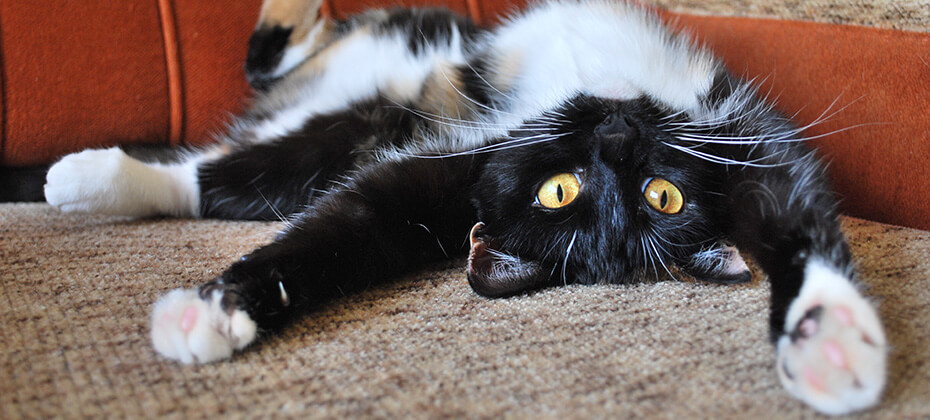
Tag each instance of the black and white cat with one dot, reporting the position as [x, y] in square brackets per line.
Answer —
[578, 142]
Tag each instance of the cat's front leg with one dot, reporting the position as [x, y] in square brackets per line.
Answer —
[832, 352]
[386, 219]
[831, 349]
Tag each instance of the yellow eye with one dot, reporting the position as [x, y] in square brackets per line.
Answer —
[559, 190]
[663, 196]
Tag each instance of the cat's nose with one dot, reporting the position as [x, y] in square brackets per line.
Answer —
[616, 127]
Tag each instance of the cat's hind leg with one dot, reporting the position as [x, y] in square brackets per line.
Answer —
[247, 180]
[109, 181]
[832, 354]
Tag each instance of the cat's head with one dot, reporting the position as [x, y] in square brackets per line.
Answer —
[590, 194]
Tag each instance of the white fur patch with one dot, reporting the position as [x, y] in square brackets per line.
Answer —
[604, 48]
[110, 182]
[839, 364]
[193, 330]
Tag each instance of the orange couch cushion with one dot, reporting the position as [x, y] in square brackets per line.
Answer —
[81, 74]
[89, 74]
[873, 84]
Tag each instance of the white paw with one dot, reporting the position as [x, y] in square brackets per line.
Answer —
[834, 356]
[110, 182]
[192, 330]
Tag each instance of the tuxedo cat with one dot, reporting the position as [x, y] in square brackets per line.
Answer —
[577, 142]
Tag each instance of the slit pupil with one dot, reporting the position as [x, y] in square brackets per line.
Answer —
[559, 193]
[664, 201]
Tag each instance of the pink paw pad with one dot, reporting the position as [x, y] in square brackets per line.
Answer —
[188, 319]
[844, 315]
[813, 379]
[834, 354]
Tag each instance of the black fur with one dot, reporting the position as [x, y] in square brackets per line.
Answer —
[266, 48]
[428, 26]
[267, 181]
[386, 219]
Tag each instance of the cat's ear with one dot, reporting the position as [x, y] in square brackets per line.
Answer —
[719, 264]
[493, 273]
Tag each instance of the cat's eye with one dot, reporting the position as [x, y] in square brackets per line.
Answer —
[663, 195]
[559, 191]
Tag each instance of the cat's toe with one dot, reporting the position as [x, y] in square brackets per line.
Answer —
[194, 330]
[833, 356]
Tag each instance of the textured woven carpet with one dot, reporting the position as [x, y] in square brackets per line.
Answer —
[76, 295]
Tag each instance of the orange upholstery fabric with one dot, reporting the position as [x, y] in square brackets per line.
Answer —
[873, 83]
[78, 73]
[83, 74]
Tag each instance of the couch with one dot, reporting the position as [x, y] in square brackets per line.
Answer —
[77, 290]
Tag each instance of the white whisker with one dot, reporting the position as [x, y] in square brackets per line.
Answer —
[486, 82]
[510, 144]
[649, 259]
[726, 161]
[659, 256]
[472, 124]
[276, 212]
[568, 252]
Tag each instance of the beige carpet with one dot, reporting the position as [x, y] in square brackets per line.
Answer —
[76, 294]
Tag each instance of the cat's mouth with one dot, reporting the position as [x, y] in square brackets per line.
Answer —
[494, 273]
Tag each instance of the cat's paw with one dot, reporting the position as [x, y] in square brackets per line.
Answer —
[111, 182]
[194, 330]
[833, 356]
[96, 181]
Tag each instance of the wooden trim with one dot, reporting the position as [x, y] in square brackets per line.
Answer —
[173, 65]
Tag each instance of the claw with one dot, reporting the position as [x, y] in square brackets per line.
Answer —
[284, 299]
[471, 235]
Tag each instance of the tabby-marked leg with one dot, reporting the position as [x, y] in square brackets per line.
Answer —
[833, 355]
[192, 329]
[287, 33]
[111, 182]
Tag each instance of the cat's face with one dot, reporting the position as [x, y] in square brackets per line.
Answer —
[601, 201]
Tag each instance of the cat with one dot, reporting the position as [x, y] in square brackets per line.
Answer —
[580, 141]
